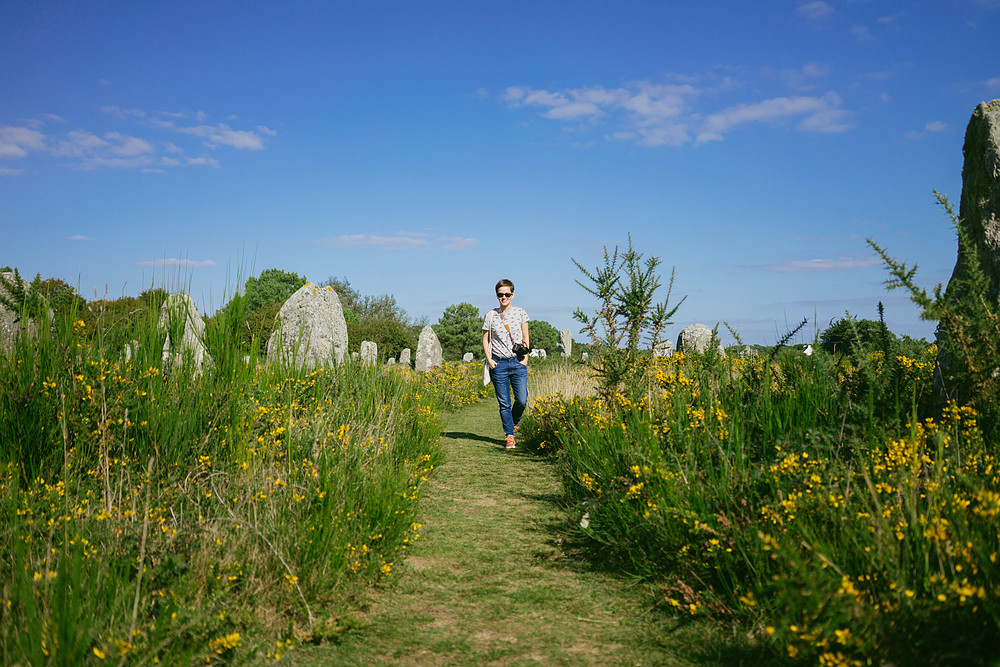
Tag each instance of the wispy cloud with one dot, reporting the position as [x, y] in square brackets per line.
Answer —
[223, 135]
[176, 262]
[811, 265]
[814, 11]
[667, 114]
[818, 114]
[16, 142]
[457, 243]
[399, 241]
[80, 237]
[933, 126]
[804, 78]
[142, 146]
[862, 33]
[10, 171]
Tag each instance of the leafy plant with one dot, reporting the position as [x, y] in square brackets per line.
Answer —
[968, 335]
[626, 317]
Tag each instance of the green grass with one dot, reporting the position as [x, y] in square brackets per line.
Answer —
[497, 576]
[150, 513]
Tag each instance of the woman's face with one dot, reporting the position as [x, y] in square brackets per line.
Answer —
[505, 294]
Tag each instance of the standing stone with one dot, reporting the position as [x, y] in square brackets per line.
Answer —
[310, 329]
[428, 350]
[404, 357]
[565, 345]
[979, 219]
[391, 362]
[185, 333]
[10, 320]
[369, 353]
[695, 338]
[542, 354]
[584, 356]
[468, 356]
[663, 348]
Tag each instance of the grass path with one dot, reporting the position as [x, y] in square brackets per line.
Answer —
[488, 582]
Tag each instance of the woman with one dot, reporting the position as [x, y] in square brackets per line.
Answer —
[502, 327]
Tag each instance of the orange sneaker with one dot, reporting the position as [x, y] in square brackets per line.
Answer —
[510, 442]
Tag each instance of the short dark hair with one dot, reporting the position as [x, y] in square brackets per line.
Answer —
[504, 283]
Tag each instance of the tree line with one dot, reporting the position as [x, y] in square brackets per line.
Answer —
[376, 318]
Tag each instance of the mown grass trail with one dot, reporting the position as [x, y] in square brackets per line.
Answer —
[489, 581]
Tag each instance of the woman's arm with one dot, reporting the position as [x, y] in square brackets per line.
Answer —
[525, 340]
[486, 349]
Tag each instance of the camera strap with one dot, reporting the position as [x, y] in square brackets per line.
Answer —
[504, 320]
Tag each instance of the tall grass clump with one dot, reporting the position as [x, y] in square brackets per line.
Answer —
[152, 514]
[830, 518]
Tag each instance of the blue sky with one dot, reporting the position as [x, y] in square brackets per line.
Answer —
[427, 149]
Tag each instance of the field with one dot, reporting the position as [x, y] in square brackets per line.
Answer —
[831, 508]
[163, 515]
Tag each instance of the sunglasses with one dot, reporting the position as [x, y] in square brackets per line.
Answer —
[504, 295]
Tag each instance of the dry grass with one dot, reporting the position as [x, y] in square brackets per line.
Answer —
[566, 379]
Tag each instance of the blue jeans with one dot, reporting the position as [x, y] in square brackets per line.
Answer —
[510, 374]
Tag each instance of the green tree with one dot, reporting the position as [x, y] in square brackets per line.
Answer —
[60, 296]
[460, 330]
[379, 307]
[544, 336]
[273, 285]
[390, 335]
[849, 336]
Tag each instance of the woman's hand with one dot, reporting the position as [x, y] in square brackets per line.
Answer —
[492, 362]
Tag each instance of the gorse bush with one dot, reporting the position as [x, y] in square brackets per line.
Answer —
[810, 499]
[968, 363]
[180, 517]
[627, 316]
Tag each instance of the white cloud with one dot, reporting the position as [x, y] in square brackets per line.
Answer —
[655, 114]
[992, 83]
[203, 161]
[125, 146]
[79, 143]
[224, 135]
[803, 78]
[457, 243]
[810, 265]
[814, 11]
[171, 262]
[344, 240]
[119, 149]
[8, 171]
[80, 237]
[890, 20]
[821, 115]
[862, 33]
[933, 126]
[123, 114]
[827, 122]
[399, 241]
[15, 142]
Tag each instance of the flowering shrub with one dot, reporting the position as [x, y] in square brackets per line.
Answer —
[759, 493]
[150, 517]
